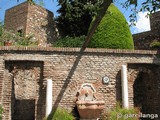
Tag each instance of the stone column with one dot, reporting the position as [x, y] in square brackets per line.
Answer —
[49, 97]
[124, 83]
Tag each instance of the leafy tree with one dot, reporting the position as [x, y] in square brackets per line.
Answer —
[138, 6]
[1, 28]
[76, 15]
[149, 5]
[113, 31]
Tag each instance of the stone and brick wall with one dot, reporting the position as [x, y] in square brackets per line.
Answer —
[155, 20]
[40, 23]
[143, 40]
[69, 69]
[32, 20]
[16, 18]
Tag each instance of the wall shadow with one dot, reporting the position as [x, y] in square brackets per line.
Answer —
[146, 84]
[23, 110]
[118, 87]
[67, 81]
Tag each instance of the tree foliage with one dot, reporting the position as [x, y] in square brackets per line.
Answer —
[150, 6]
[76, 15]
[70, 41]
[113, 31]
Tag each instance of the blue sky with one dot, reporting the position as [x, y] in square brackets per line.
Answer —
[52, 5]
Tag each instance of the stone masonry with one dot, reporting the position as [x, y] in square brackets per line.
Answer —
[32, 20]
[143, 40]
[69, 69]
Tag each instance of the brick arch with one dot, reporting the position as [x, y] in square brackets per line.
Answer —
[144, 92]
[143, 82]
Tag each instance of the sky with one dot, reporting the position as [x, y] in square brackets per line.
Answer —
[143, 23]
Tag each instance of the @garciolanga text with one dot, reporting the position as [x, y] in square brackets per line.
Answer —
[141, 115]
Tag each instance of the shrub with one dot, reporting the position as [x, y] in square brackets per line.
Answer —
[18, 39]
[112, 32]
[25, 41]
[155, 45]
[70, 42]
[119, 113]
[61, 114]
[1, 110]
[15, 38]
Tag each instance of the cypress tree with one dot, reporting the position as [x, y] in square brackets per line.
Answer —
[112, 32]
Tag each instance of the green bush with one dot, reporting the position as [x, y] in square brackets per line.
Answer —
[155, 45]
[17, 39]
[119, 113]
[70, 42]
[112, 32]
[61, 114]
[24, 41]
[1, 110]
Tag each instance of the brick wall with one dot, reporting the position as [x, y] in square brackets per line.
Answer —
[32, 20]
[69, 69]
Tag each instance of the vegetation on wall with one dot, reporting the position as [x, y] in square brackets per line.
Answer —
[61, 114]
[112, 32]
[70, 41]
[1, 28]
[119, 113]
[1, 110]
[155, 45]
[15, 39]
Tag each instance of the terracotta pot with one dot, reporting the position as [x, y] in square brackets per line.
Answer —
[7, 43]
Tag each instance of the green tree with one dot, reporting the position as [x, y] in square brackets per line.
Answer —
[76, 15]
[138, 6]
[149, 5]
[1, 28]
[113, 31]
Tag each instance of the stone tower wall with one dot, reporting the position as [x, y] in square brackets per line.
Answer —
[16, 18]
[40, 23]
[143, 40]
[32, 20]
[155, 20]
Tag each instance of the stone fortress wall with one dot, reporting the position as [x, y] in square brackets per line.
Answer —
[32, 20]
[143, 40]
